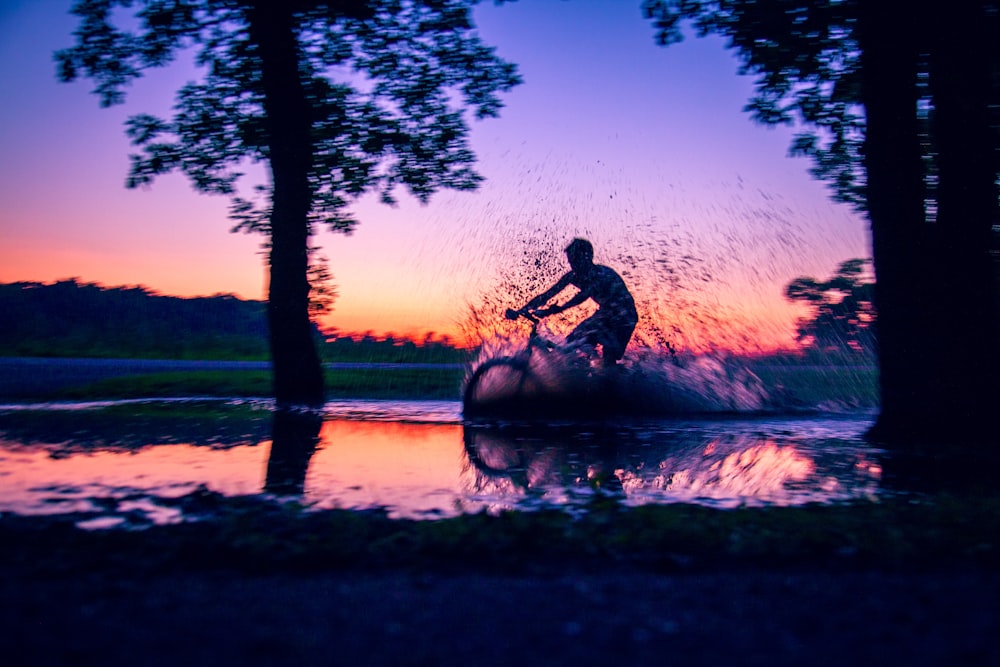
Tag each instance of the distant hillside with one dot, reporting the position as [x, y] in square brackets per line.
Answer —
[74, 319]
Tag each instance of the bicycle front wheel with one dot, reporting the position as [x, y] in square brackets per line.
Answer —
[496, 384]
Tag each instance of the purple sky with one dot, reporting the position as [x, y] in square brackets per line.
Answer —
[633, 145]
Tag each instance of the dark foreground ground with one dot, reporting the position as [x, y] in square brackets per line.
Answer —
[894, 584]
[755, 617]
[899, 584]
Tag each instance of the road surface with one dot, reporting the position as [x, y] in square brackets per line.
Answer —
[36, 377]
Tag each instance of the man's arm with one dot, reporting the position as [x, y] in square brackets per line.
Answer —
[544, 297]
[576, 300]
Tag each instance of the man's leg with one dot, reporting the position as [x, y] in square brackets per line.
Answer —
[615, 341]
[586, 333]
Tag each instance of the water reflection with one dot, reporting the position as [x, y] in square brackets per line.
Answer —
[294, 437]
[412, 469]
[127, 462]
[655, 464]
[66, 429]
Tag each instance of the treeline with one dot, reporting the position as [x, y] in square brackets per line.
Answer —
[390, 349]
[70, 318]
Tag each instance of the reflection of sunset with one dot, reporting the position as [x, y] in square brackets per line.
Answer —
[357, 464]
[432, 469]
[728, 471]
[759, 472]
[363, 464]
[168, 470]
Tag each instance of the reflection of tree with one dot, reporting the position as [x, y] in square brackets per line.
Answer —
[338, 99]
[294, 437]
[922, 473]
[842, 313]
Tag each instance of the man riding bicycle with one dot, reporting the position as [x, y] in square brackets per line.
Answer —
[612, 325]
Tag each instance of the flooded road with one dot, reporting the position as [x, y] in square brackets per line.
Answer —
[116, 463]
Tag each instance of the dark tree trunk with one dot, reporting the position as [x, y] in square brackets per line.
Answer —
[936, 291]
[965, 361]
[298, 377]
[895, 198]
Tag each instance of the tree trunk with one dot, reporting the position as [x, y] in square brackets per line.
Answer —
[298, 376]
[895, 198]
[936, 291]
[968, 322]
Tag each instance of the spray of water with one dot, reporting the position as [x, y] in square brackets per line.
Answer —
[672, 365]
[706, 260]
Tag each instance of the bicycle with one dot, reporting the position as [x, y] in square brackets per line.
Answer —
[533, 457]
[540, 380]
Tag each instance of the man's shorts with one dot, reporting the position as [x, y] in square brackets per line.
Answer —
[612, 333]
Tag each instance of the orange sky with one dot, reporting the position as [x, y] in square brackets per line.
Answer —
[657, 162]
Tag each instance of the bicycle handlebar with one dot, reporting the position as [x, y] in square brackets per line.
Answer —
[512, 314]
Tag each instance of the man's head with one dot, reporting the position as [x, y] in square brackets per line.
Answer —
[580, 254]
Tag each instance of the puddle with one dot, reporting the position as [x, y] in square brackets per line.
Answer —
[116, 464]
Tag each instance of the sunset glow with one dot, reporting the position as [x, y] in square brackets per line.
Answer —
[656, 162]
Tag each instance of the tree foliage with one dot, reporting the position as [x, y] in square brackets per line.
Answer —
[806, 58]
[69, 318]
[901, 114]
[842, 313]
[338, 98]
[387, 84]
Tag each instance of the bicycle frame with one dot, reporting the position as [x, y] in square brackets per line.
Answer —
[525, 387]
[535, 339]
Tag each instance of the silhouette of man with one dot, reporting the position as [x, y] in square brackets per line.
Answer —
[613, 323]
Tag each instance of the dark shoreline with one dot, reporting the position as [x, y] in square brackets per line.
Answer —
[407, 618]
[260, 584]
[541, 590]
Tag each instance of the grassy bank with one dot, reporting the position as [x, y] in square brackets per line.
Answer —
[806, 385]
[853, 386]
[381, 383]
[251, 534]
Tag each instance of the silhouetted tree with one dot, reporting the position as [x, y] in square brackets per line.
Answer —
[338, 98]
[842, 313]
[900, 111]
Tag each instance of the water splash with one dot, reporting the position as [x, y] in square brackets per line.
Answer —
[559, 384]
[706, 263]
[712, 292]
[705, 383]
[675, 275]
